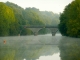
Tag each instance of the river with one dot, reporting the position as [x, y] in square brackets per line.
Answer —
[41, 47]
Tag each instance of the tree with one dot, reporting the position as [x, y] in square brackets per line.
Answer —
[29, 16]
[15, 28]
[6, 18]
[32, 16]
[70, 20]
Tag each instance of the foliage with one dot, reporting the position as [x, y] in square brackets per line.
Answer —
[6, 19]
[49, 18]
[12, 17]
[18, 11]
[32, 17]
[70, 20]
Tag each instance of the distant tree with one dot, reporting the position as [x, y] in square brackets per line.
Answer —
[32, 16]
[50, 17]
[12, 17]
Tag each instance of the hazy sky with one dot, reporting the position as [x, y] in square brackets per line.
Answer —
[56, 6]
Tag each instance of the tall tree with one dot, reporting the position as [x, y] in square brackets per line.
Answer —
[18, 12]
[70, 20]
[6, 18]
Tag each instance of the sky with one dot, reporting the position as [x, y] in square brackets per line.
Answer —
[56, 6]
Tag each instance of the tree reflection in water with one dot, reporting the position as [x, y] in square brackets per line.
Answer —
[27, 48]
[70, 48]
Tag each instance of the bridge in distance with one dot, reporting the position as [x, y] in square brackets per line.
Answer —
[35, 28]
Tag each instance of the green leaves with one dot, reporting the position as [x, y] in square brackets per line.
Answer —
[6, 18]
[70, 18]
[13, 16]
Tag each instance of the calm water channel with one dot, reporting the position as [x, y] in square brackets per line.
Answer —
[41, 47]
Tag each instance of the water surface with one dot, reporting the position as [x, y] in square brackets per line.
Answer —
[41, 47]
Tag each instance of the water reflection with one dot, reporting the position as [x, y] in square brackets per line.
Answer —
[69, 48]
[24, 59]
[28, 47]
[50, 57]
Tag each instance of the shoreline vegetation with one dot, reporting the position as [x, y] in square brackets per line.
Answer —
[13, 16]
[70, 20]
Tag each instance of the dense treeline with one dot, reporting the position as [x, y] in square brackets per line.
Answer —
[13, 16]
[70, 20]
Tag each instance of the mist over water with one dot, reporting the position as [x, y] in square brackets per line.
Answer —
[41, 47]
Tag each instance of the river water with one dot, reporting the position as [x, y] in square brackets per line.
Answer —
[41, 47]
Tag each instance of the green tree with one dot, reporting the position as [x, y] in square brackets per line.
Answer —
[6, 18]
[70, 20]
[18, 12]
[32, 16]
